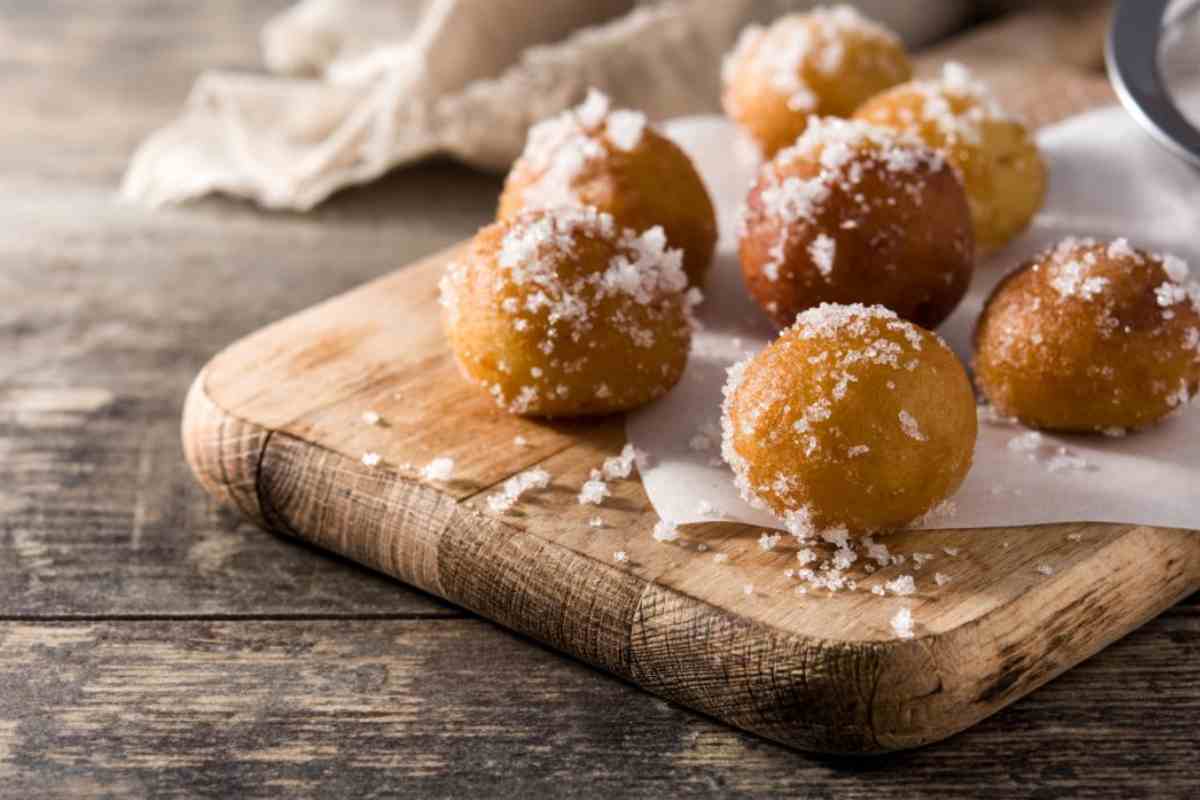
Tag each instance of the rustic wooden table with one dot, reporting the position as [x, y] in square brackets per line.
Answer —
[152, 644]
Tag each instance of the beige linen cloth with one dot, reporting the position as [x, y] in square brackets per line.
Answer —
[356, 87]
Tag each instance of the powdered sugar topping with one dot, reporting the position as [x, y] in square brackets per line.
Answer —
[823, 251]
[910, 426]
[544, 289]
[558, 149]
[959, 105]
[516, 486]
[797, 44]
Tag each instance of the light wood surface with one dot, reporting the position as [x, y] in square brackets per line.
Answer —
[153, 643]
[274, 425]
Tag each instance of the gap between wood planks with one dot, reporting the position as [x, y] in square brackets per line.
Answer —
[352, 617]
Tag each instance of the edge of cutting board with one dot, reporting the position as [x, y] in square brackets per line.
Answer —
[829, 693]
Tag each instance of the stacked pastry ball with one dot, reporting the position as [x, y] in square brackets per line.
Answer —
[577, 300]
[855, 213]
[1003, 173]
[612, 160]
[824, 63]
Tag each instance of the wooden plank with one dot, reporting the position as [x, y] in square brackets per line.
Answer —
[342, 709]
[108, 311]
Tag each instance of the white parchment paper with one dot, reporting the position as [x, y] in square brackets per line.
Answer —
[1107, 180]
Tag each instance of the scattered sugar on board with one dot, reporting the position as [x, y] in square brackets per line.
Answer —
[596, 522]
[621, 466]
[919, 559]
[902, 585]
[665, 531]
[1045, 569]
[593, 492]
[440, 469]
[371, 459]
[941, 579]
[520, 441]
[620, 556]
[767, 541]
[902, 623]
[371, 417]
[516, 486]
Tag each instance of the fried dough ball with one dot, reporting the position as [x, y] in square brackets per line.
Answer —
[615, 162]
[854, 213]
[853, 420]
[827, 62]
[1091, 336]
[561, 313]
[998, 160]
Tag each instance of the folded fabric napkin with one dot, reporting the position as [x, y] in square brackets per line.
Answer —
[356, 87]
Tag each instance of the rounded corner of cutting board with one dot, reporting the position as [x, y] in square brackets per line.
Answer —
[852, 698]
[222, 450]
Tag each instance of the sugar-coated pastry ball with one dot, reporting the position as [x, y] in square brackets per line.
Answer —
[827, 62]
[852, 419]
[612, 160]
[857, 214]
[561, 313]
[1091, 336]
[999, 162]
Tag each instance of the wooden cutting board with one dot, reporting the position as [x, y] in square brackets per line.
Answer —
[274, 425]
